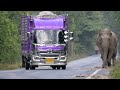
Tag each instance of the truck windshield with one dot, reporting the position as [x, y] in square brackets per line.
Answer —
[47, 36]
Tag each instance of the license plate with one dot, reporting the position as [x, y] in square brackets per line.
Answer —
[49, 60]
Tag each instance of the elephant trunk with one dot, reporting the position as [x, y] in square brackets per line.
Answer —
[105, 48]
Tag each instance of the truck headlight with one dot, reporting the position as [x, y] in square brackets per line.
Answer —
[63, 58]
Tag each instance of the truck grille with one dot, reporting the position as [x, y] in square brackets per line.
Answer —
[49, 55]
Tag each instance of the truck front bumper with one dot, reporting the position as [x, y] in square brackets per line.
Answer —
[44, 63]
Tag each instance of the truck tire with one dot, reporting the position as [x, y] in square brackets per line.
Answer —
[32, 67]
[53, 67]
[27, 66]
[58, 67]
[64, 67]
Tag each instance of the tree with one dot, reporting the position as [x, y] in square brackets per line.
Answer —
[9, 36]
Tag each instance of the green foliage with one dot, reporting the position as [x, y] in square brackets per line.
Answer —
[115, 73]
[9, 37]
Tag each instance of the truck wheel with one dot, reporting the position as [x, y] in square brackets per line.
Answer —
[63, 67]
[27, 66]
[53, 67]
[58, 67]
[32, 67]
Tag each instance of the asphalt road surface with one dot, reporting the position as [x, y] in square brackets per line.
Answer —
[86, 68]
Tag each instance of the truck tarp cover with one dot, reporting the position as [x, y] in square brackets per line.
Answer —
[44, 23]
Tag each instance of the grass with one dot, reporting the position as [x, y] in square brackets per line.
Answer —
[75, 57]
[115, 72]
[10, 66]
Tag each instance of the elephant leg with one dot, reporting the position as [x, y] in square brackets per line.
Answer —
[109, 63]
[101, 53]
[104, 59]
[114, 59]
[104, 62]
[104, 65]
[109, 58]
[102, 56]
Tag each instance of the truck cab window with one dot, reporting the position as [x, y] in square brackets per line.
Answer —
[47, 36]
[34, 38]
[61, 37]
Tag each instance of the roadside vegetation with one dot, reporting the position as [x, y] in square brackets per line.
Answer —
[75, 57]
[84, 24]
[115, 72]
[6, 66]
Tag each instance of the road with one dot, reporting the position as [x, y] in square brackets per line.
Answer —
[86, 68]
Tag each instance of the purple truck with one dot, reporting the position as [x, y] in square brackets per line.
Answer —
[44, 40]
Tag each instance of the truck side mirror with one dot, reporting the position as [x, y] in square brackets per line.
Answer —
[28, 34]
[66, 36]
[71, 35]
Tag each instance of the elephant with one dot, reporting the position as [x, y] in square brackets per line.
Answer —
[107, 43]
